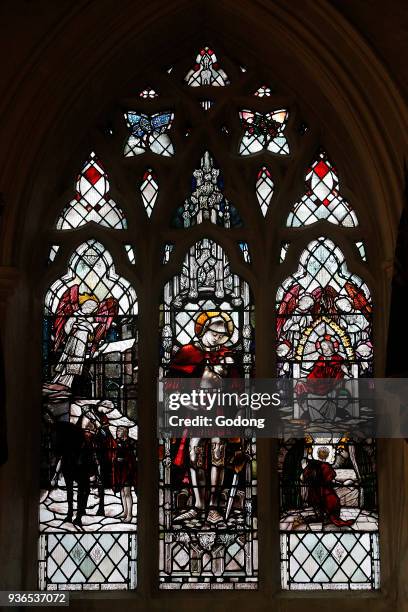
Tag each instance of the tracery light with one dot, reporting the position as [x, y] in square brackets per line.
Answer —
[264, 189]
[148, 93]
[283, 251]
[206, 104]
[245, 251]
[167, 251]
[361, 250]
[92, 201]
[130, 253]
[207, 201]
[322, 200]
[264, 131]
[149, 133]
[206, 71]
[53, 252]
[263, 91]
[149, 190]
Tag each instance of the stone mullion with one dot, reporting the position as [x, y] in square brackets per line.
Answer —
[148, 493]
[266, 473]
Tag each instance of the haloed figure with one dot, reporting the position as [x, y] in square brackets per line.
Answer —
[210, 360]
[124, 471]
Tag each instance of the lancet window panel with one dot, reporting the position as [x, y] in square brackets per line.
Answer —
[88, 501]
[328, 486]
[208, 524]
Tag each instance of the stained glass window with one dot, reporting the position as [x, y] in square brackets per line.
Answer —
[89, 427]
[208, 539]
[322, 200]
[206, 70]
[264, 189]
[149, 133]
[149, 190]
[92, 201]
[208, 529]
[207, 201]
[328, 493]
[264, 132]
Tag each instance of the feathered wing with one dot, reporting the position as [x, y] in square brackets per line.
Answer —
[107, 310]
[287, 306]
[68, 304]
[358, 298]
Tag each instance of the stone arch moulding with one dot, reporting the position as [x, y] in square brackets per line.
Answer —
[295, 48]
[116, 45]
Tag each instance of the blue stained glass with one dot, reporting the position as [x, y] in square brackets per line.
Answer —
[149, 132]
[141, 124]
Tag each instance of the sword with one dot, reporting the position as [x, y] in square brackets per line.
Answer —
[234, 486]
[233, 490]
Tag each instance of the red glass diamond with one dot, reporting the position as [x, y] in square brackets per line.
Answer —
[92, 175]
[321, 169]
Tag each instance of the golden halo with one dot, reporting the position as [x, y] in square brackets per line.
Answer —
[204, 320]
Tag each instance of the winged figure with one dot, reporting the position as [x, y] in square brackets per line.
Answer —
[81, 323]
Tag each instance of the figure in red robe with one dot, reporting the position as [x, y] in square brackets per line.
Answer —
[210, 360]
[124, 470]
[319, 478]
[329, 368]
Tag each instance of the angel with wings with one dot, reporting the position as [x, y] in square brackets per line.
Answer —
[299, 309]
[82, 322]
